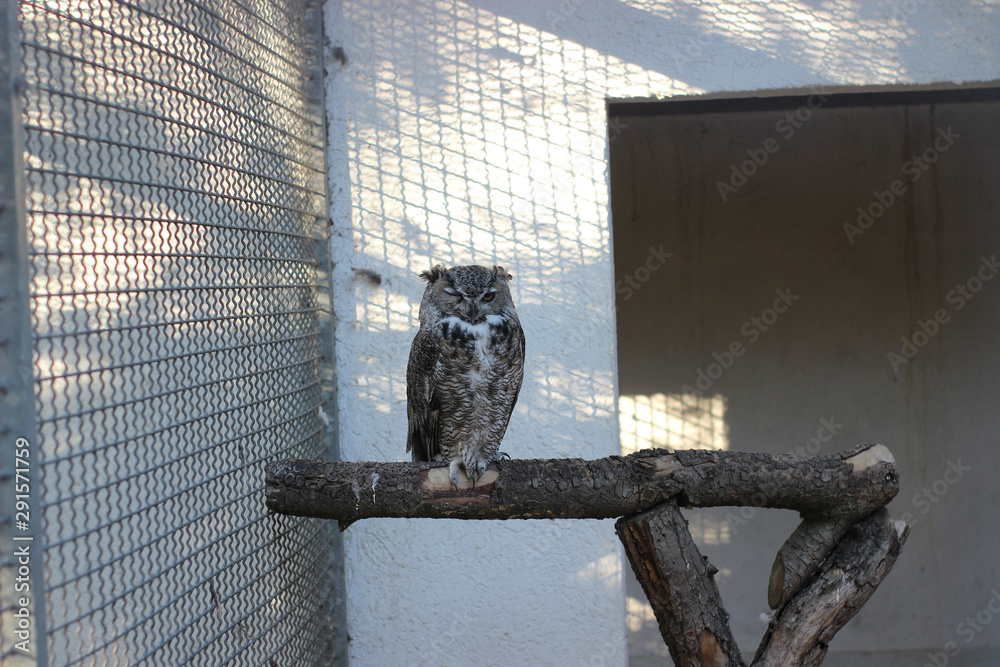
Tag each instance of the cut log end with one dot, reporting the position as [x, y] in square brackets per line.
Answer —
[710, 652]
[776, 583]
[871, 456]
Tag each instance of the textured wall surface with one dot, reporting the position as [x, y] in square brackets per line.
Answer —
[816, 378]
[477, 132]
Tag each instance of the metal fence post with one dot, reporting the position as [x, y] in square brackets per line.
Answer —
[327, 366]
[22, 626]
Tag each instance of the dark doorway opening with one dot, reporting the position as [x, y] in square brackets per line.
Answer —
[805, 273]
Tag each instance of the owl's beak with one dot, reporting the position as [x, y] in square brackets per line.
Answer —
[473, 312]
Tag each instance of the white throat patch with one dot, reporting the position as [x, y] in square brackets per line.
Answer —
[478, 331]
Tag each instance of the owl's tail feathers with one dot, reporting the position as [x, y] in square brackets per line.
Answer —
[422, 437]
[417, 443]
[417, 446]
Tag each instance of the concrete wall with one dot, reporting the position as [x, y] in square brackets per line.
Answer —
[813, 372]
[476, 132]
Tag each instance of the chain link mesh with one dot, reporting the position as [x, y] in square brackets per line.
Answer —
[176, 220]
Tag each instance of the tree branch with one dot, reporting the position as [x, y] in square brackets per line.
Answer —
[801, 631]
[850, 484]
[679, 583]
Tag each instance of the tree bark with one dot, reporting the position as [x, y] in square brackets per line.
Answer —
[850, 484]
[801, 631]
[679, 583]
[798, 557]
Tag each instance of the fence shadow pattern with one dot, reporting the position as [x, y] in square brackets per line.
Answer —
[177, 231]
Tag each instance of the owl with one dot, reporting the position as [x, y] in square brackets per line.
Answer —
[465, 369]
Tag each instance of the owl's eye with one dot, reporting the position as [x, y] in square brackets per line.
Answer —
[489, 297]
[450, 291]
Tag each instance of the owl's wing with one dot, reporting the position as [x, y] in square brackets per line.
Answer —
[520, 371]
[422, 406]
[518, 376]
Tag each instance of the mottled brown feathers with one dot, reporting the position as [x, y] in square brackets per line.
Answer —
[465, 368]
[438, 270]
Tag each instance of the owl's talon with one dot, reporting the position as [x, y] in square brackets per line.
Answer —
[502, 456]
[476, 471]
[453, 469]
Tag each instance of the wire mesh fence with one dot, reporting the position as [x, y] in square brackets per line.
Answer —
[179, 300]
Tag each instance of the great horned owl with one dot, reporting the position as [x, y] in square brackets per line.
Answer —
[465, 370]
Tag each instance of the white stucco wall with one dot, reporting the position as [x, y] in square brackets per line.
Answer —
[477, 132]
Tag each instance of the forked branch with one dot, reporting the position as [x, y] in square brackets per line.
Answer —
[822, 575]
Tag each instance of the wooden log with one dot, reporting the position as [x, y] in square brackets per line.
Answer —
[823, 574]
[679, 583]
[828, 486]
[801, 631]
[815, 537]
[801, 553]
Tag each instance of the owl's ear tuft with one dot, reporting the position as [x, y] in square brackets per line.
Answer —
[432, 275]
[501, 272]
